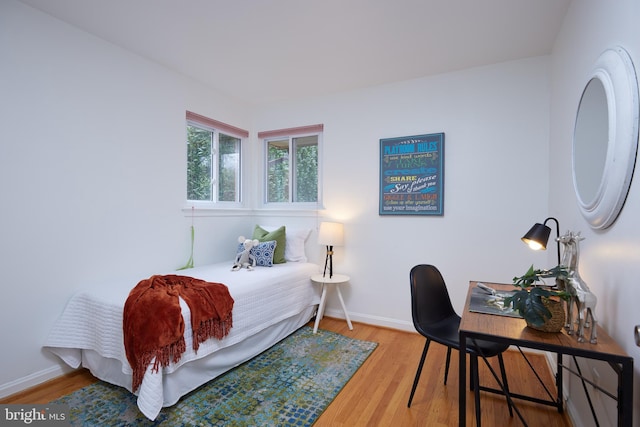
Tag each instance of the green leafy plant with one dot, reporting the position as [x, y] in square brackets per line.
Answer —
[529, 300]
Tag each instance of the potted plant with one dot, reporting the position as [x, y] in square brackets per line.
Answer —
[540, 306]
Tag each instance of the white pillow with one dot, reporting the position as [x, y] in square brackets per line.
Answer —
[295, 240]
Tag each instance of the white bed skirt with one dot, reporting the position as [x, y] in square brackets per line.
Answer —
[197, 372]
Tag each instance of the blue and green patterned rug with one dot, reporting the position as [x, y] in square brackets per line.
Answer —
[290, 384]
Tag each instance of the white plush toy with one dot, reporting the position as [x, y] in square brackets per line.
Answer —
[244, 258]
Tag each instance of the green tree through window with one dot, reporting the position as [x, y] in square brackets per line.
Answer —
[229, 165]
[306, 188]
[199, 147]
[213, 165]
[292, 161]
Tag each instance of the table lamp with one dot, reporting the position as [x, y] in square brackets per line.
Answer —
[330, 234]
[538, 236]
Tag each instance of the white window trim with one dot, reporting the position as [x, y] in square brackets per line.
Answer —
[217, 127]
[297, 132]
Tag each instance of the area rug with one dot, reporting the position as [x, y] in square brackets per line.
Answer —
[290, 384]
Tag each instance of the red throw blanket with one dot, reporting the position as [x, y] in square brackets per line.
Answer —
[153, 325]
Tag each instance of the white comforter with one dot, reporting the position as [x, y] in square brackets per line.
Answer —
[263, 297]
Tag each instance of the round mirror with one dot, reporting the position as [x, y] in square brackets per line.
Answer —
[605, 139]
[591, 137]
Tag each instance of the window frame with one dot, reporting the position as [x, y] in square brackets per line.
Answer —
[217, 128]
[290, 134]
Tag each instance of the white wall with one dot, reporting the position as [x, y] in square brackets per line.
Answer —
[92, 176]
[610, 259]
[92, 168]
[495, 121]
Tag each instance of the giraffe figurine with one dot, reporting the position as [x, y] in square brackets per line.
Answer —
[580, 295]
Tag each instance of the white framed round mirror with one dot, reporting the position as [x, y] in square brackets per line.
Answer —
[605, 138]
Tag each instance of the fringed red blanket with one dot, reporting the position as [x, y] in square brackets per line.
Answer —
[153, 325]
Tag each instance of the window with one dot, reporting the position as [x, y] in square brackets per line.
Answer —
[213, 160]
[291, 165]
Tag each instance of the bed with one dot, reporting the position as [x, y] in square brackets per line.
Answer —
[270, 303]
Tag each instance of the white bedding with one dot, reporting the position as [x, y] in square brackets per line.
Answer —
[273, 301]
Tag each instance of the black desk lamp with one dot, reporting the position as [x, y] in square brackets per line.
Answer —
[538, 236]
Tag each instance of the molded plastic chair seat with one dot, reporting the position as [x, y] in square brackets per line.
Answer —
[434, 318]
[447, 334]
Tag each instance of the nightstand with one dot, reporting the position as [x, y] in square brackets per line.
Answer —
[336, 280]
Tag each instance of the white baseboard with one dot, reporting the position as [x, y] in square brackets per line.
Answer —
[31, 380]
[372, 320]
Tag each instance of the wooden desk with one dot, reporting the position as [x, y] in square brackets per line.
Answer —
[514, 331]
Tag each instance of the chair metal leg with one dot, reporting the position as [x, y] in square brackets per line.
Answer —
[419, 371]
[504, 381]
[446, 369]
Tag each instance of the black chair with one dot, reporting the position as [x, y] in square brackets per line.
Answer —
[435, 318]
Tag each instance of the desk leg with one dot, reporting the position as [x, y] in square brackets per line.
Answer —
[462, 385]
[320, 312]
[344, 308]
[625, 394]
[560, 398]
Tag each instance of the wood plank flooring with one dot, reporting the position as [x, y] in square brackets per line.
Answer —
[377, 394]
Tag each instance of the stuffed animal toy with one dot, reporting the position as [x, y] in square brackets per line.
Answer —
[245, 259]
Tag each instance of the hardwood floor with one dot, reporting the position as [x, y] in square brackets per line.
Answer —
[377, 394]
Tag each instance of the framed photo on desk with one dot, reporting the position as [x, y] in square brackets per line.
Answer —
[482, 302]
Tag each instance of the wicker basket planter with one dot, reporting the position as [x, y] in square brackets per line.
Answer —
[556, 322]
[540, 306]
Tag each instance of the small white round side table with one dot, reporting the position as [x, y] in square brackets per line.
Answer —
[336, 280]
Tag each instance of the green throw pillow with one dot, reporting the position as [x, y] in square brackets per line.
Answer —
[279, 235]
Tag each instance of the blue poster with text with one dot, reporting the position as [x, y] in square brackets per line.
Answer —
[412, 175]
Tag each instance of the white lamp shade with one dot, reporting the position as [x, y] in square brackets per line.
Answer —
[331, 234]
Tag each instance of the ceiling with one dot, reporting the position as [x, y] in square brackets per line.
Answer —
[265, 51]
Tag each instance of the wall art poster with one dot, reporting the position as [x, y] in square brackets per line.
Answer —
[412, 175]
